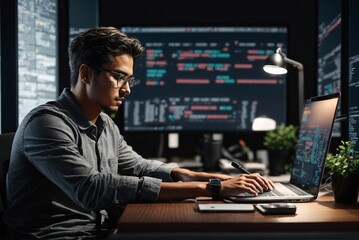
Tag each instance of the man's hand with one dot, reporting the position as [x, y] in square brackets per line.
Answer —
[252, 183]
[190, 184]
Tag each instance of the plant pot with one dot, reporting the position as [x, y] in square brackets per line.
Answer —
[345, 189]
[277, 161]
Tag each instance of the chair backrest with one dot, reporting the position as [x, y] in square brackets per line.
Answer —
[6, 140]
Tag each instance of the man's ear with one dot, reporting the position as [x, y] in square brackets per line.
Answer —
[84, 73]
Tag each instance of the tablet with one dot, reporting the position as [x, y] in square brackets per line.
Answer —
[225, 207]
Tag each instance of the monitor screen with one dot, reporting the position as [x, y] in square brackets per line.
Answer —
[205, 79]
[37, 54]
[329, 51]
[353, 92]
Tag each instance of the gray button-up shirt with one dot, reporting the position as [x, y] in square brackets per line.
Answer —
[64, 169]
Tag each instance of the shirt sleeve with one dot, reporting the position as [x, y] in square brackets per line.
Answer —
[131, 163]
[51, 145]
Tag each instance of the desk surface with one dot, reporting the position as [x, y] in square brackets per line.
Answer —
[322, 214]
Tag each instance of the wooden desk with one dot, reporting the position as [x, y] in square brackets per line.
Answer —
[322, 215]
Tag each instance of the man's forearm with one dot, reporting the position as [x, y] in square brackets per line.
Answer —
[185, 175]
[183, 190]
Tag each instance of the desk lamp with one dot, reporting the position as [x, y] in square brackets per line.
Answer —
[263, 123]
[276, 64]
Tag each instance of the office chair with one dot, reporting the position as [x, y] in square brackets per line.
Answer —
[6, 140]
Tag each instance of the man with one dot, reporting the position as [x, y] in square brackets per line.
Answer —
[70, 167]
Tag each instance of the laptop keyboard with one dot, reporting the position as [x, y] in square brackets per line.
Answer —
[279, 190]
[299, 192]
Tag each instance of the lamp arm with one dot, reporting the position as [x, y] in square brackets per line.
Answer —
[293, 63]
[300, 68]
[300, 92]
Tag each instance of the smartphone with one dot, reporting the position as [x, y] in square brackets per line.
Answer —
[276, 208]
[225, 207]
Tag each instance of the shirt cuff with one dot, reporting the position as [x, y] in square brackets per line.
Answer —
[149, 190]
[165, 172]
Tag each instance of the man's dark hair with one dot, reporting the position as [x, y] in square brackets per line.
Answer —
[98, 46]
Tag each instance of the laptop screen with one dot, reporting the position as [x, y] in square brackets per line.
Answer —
[313, 142]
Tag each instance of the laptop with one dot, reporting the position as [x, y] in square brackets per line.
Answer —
[311, 150]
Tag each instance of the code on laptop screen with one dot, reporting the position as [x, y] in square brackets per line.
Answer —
[313, 140]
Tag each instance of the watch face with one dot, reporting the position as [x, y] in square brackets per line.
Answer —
[215, 182]
[215, 187]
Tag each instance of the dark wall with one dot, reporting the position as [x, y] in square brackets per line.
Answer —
[9, 98]
[298, 16]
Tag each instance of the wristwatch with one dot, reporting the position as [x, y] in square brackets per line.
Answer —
[215, 188]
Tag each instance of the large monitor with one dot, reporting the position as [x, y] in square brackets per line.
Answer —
[329, 51]
[207, 79]
[37, 54]
[353, 92]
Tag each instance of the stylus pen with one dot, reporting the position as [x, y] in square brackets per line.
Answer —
[240, 167]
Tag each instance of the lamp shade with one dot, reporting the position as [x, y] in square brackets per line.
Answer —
[275, 64]
[263, 124]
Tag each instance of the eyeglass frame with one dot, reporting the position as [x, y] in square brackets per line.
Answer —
[118, 76]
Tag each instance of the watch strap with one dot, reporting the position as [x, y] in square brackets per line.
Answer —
[215, 188]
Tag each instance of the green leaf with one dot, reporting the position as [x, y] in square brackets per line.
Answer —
[345, 162]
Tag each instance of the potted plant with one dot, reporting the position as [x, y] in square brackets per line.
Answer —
[344, 169]
[280, 143]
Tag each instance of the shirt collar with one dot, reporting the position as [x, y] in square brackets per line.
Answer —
[67, 100]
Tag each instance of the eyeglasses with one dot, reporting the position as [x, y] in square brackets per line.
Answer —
[121, 78]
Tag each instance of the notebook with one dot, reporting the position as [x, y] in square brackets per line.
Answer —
[311, 150]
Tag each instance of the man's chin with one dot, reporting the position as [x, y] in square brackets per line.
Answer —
[112, 110]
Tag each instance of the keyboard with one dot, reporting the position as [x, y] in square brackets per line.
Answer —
[279, 190]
